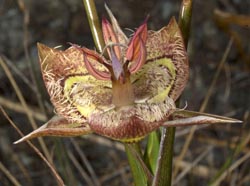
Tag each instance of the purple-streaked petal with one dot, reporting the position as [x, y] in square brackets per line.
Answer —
[141, 58]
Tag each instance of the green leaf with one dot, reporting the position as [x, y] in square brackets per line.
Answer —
[139, 170]
[152, 151]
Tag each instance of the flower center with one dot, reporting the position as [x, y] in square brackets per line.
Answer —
[122, 88]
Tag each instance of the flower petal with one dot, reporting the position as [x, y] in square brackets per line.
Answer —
[167, 44]
[134, 45]
[90, 58]
[141, 58]
[153, 82]
[73, 91]
[131, 123]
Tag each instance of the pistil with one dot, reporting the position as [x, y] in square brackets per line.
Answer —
[123, 94]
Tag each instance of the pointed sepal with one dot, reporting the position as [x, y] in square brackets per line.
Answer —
[186, 118]
[58, 126]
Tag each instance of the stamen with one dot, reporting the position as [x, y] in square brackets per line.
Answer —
[116, 65]
[111, 45]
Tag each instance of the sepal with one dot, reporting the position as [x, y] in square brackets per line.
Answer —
[186, 118]
[58, 126]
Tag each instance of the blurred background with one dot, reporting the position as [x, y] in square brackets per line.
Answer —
[100, 161]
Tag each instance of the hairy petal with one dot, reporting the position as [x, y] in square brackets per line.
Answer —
[73, 91]
[153, 82]
[131, 123]
[167, 44]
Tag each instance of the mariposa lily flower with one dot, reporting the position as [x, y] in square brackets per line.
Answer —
[125, 95]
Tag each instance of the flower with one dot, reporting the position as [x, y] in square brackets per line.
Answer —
[126, 94]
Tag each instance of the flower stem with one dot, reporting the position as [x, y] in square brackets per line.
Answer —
[164, 170]
[139, 176]
[163, 175]
[185, 19]
[94, 24]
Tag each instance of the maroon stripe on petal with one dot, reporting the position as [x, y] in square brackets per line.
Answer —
[141, 58]
[101, 75]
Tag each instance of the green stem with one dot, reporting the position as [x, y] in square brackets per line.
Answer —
[94, 24]
[185, 19]
[163, 175]
[140, 178]
[164, 165]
